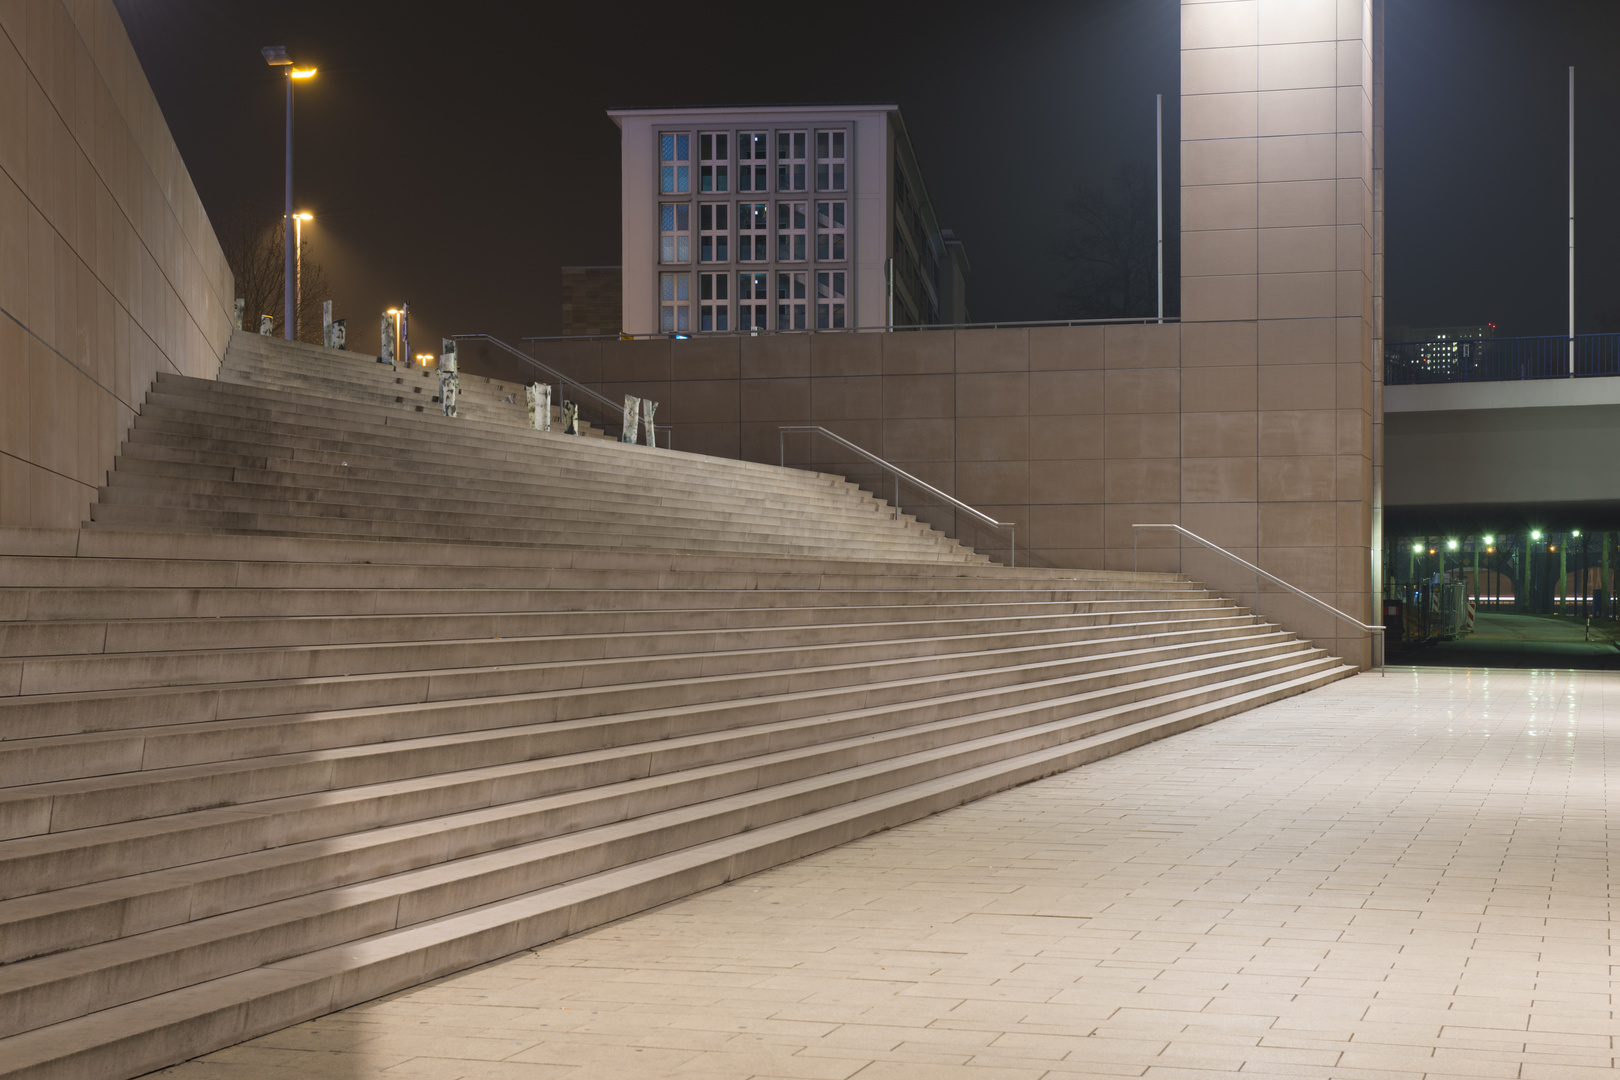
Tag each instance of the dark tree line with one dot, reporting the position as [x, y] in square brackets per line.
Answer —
[1108, 252]
[252, 238]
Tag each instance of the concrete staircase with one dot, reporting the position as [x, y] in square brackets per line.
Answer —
[331, 697]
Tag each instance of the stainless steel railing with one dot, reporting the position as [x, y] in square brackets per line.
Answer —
[900, 474]
[1259, 574]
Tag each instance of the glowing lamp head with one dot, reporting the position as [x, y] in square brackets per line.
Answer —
[1576, 534]
[1535, 534]
[305, 217]
[276, 55]
[302, 73]
[1417, 549]
[1490, 539]
[1451, 545]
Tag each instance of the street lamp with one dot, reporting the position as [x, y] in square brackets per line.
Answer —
[276, 56]
[298, 274]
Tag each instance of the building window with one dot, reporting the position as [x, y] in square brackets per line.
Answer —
[830, 300]
[675, 301]
[830, 161]
[790, 166]
[675, 163]
[714, 159]
[713, 309]
[830, 231]
[790, 301]
[753, 307]
[714, 234]
[753, 232]
[790, 232]
[674, 232]
[753, 157]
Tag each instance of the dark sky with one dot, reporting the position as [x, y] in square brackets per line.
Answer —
[456, 155]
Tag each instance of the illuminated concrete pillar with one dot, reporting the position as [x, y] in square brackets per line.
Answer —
[1281, 294]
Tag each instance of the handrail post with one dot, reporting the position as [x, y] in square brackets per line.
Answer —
[897, 496]
[1134, 559]
[1012, 547]
[781, 447]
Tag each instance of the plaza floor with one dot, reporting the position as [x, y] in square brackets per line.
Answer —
[1394, 877]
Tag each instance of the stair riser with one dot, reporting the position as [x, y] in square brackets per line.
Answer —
[36, 761]
[27, 1000]
[40, 809]
[547, 661]
[46, 1002]
[608, 633]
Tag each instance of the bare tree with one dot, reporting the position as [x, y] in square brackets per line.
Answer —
[1109, 251]
[252, 238]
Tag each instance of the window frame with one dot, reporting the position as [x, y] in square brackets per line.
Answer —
[832, 168]
[714, 233]
[754, 177]
[674, 171]
[714, 162]
[792, 161]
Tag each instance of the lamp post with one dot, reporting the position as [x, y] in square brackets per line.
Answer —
[276, 56]
[298, 273]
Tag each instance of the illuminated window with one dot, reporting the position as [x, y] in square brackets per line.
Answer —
[790, 161]
[830, 300]
[675, 163]
[753, 308]
[790, 232]
[674, 232]
[714, 310]
[830, 231]
[830, 161]
[675, 303]
[790, 301]
[753, 155]
[714, 232]
[753, 232]
[714, 160]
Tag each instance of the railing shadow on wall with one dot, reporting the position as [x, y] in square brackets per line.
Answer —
[905, 493]
[1273, 598]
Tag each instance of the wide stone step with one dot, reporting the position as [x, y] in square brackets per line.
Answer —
[52, 988]
[134, 629]
[401, 447]
[75, 804]
[129, 1039]
[37, 753]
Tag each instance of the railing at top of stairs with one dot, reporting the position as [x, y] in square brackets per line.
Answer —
[1259, 574]
[613, 410]
[900, 474]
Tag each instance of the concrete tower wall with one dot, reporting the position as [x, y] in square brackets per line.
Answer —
[109, 269]
[1280, 252]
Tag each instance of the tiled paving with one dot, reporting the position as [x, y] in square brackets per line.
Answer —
[1386, 878]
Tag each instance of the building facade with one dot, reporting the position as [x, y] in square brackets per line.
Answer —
[592, 300]
[780, 218]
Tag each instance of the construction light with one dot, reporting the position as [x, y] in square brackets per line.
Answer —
[1490, 539]
[1535, 534]
[1451, 545]
[1576, 534]
[1417, 549]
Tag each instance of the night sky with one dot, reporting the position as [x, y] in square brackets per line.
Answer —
[456, 155]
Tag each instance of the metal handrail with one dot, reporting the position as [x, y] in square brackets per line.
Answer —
[900, 474]
[614, 408]
[1376, 631]
[1009, 324]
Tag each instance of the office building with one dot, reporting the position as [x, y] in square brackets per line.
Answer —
[780, 218]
